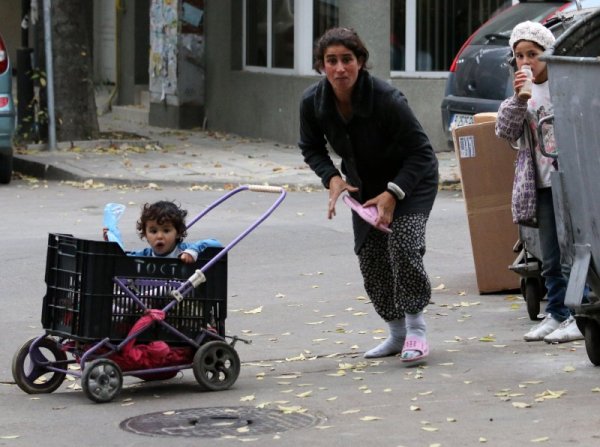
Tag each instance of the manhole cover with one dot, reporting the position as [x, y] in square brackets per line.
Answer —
[217, 422]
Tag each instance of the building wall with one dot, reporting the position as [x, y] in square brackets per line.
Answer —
[266, 105]
[10, 27]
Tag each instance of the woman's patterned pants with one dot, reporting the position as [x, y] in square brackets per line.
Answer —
[392, 268]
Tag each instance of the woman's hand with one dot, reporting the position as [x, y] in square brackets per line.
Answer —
[385, 203]
[105, 234]
[337, 185]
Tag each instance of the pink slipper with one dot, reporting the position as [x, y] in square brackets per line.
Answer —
[368, 213]
[415, 344]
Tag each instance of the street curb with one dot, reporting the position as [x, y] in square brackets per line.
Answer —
[47, 171]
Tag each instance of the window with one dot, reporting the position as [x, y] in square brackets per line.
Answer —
[434, 30]
[325, 16]
[269, 33]
[279, 34]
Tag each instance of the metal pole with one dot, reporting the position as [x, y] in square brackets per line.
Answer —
[49, 76]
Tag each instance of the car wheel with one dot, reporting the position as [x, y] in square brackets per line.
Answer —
[6, 164]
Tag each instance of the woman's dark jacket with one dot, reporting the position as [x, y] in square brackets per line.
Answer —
[382, 142]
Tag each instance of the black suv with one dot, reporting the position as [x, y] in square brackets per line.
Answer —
[480, 77]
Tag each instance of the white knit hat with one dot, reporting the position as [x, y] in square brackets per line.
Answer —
[534, 32]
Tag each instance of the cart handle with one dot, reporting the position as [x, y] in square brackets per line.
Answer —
[187, 286]
[265, 188]
[541, 136]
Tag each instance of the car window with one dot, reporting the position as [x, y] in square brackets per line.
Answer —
[584, 4]
[504, 22]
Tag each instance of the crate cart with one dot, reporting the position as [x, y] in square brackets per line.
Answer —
[116, 315]
[574, 68]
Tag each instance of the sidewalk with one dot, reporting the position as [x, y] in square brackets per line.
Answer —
[193, 158]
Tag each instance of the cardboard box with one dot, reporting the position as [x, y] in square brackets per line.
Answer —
[487, 170]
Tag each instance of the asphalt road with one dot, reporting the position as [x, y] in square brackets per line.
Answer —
[295, 291]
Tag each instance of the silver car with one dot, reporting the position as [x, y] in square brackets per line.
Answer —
[7, 115]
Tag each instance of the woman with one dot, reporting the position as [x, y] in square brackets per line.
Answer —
[387, 162]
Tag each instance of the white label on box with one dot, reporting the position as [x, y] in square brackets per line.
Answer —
[467, 146]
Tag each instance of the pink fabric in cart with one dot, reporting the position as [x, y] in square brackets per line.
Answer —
[155, 354]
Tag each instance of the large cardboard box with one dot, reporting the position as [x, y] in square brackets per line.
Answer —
[487, 169]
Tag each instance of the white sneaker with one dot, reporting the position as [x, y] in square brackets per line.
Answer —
[567, 331]
[539, 331]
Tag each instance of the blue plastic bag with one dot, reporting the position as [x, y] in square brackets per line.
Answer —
[112, 215]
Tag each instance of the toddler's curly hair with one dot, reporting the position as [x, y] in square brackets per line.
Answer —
[162, 212]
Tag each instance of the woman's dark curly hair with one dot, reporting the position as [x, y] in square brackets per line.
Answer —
[162, 212]
[340, 36]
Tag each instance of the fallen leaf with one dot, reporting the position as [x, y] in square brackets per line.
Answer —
[295, 359]
[305, 394]
[427, 428]
[370, 418]
[548, 394]
[542, 439]
[521, 405]
[248, 398]
[415, 408]
[440, 287]
[254, 311]
[292, 409]
[569, 368]
[488, 338]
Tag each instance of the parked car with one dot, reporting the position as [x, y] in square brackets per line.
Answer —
[480, 77]
[7, 115]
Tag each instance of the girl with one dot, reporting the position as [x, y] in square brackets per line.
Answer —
[162, 224]
[528, 41]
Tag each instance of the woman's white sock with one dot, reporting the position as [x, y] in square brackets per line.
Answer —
[393, 344]
[415, 325]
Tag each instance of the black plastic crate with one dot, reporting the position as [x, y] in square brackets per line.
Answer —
[83, 302]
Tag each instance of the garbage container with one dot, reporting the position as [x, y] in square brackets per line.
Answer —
[574, 68]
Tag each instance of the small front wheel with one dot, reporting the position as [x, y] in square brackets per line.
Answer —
[216, 366]
[533, 297]
[102, 380]
[30, 366]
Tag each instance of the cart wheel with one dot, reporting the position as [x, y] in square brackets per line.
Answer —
[216, 366]
[592, 341]
[532, 298]
[102, 380]
[29, 368]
